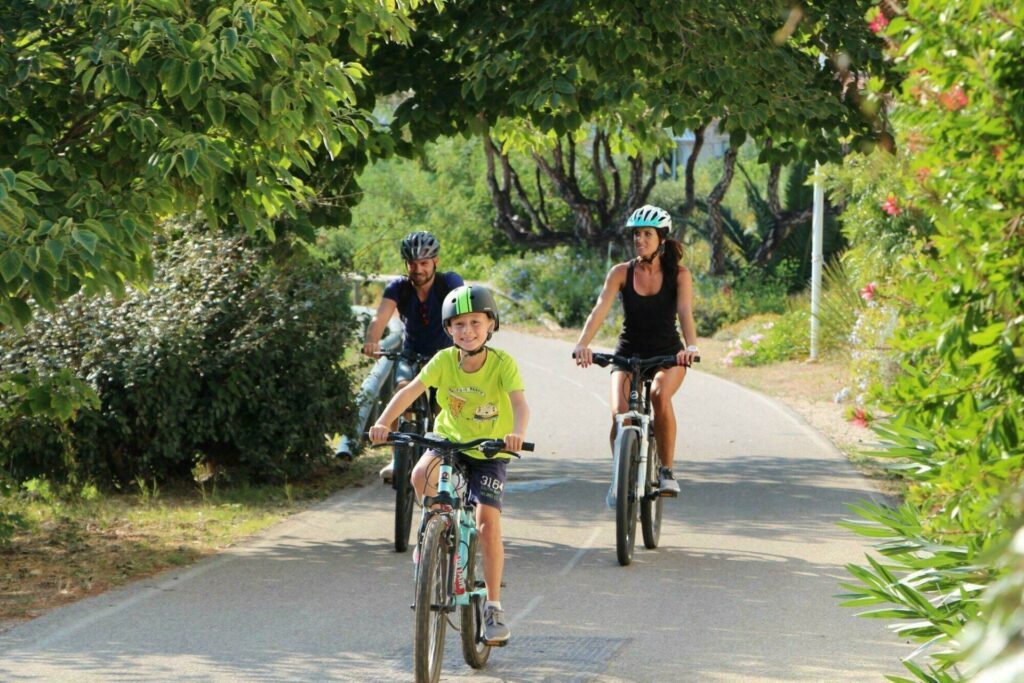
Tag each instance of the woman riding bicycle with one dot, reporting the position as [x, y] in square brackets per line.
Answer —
[655, 289]
[481, 395]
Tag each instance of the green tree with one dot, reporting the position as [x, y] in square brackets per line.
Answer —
[116, 114]
[591, 88]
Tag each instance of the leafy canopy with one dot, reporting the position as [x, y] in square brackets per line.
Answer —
[115, 114]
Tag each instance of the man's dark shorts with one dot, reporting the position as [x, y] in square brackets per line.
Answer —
[486, 479]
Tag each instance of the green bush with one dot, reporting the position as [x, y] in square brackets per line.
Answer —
[561, 283]
[720, 301]
[226, 361]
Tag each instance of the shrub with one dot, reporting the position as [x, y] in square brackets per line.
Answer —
[226, 360]
[562, 283]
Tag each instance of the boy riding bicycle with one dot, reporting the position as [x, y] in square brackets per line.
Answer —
[417, 298]
[481, 395]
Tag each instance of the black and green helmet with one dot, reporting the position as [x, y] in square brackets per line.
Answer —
[469, 299]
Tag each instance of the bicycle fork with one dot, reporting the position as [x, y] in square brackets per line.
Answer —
[640, 425]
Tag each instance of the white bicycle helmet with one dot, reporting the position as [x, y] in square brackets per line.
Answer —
[648, 216]
[419, 245]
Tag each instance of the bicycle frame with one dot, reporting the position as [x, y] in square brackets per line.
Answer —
[458, 515]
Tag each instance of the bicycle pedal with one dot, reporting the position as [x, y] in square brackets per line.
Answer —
[496, 643]
[668, 494]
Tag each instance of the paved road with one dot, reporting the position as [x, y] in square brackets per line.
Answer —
[741, 589]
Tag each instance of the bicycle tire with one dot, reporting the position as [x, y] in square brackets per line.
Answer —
[625, 501]
[431, 594]
[474, 652]
[650, 508]
[404, 497]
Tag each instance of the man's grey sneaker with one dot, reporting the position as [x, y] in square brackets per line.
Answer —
[495, 630]
[667, 483]
[387, 473]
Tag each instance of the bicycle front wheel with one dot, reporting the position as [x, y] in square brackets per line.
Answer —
[625, 498]
[650, 508]
[404, 497]
[474, 650]
[431, 601]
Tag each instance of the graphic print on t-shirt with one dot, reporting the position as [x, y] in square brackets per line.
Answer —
[459, 396]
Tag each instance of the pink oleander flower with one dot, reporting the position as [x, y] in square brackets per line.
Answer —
[879, 23]
[953, 99]
[860, 418]
[892, 206]
[868, 292]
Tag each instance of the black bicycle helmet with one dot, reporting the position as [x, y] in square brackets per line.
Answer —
[469, 299]
[419, 245]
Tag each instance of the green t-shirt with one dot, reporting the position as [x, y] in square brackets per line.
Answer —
[473, 405]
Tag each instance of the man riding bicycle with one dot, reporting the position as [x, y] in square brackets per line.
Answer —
[418, 298]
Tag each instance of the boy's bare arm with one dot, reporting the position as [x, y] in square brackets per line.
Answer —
[398, 404]
[520, 416]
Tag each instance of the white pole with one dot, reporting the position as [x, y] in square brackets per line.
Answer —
[817, 228]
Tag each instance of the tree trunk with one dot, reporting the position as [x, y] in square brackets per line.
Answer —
[691, 198]
[715, 212]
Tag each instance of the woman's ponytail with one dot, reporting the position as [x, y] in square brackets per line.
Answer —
[671, 254]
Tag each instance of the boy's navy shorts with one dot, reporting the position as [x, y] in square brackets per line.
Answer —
[486, 479]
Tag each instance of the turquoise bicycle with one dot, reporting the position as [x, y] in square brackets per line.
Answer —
[448, 577]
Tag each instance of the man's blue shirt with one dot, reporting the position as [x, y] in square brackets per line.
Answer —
[423, 331]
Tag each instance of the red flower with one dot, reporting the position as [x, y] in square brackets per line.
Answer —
[997, 152]
[868, 293]
[860, 418]
[879, 23]
[923, 173]
[892, 206]
[953, 99]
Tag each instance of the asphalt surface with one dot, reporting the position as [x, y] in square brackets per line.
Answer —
[742, 588]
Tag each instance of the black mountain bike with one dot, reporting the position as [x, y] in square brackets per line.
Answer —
[636, 462]
[418, 419]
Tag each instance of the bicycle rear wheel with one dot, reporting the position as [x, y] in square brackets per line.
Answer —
[404, 497]
[431, 599]
[626, 502]
[650, 508]
[474, 651]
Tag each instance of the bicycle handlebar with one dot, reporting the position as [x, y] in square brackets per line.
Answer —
[606, 359]
[401, 354]
[490, 447]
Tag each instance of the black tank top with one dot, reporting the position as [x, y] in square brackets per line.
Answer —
[649, 328]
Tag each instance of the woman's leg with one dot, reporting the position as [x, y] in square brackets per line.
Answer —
[666, 383]
[618, 399]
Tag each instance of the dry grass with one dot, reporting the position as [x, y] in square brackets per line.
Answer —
[70, 550]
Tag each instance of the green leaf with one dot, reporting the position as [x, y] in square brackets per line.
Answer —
[10, 265]
[984, 355]
[195, 76]
[174, 80]
[988, 335]
[21, 310]
[215, 108]
[191, 156]
[56, 248]
[277, 100]
[87, 239]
